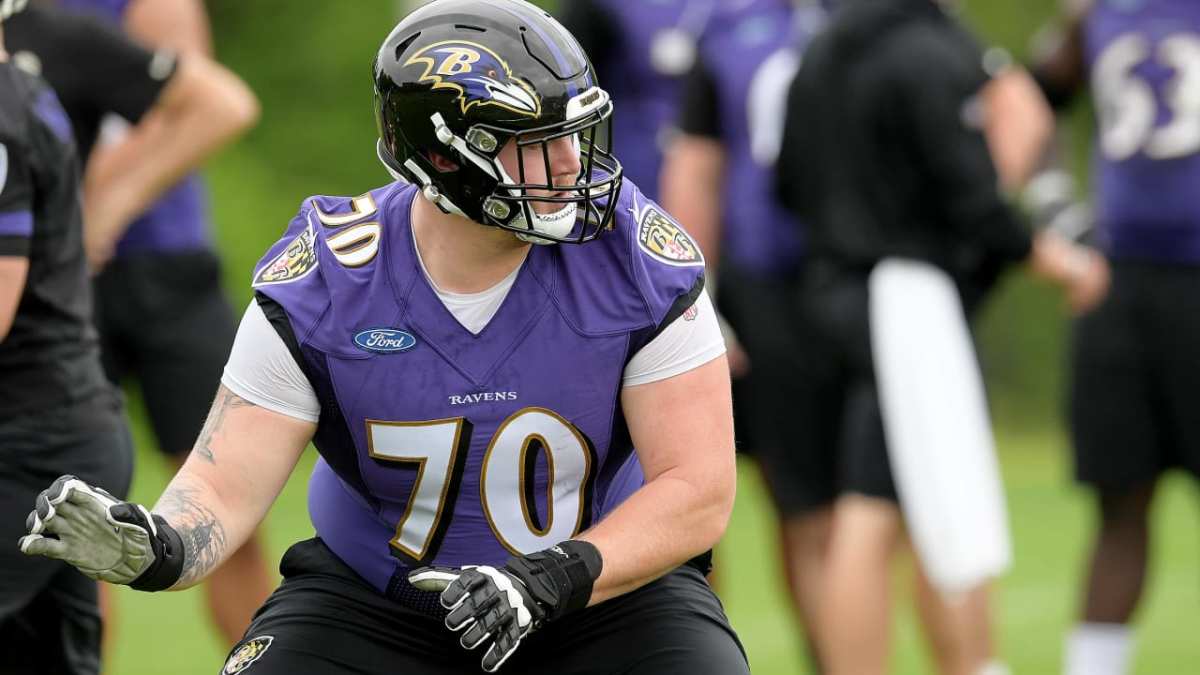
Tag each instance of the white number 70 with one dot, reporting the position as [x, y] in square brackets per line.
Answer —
[439, 448]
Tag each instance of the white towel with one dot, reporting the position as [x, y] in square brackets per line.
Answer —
[936, 423]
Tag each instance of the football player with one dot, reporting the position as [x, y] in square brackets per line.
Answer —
[57, 411]
[512, 374]
[717, 180]
[1135, 363]
[162, 315]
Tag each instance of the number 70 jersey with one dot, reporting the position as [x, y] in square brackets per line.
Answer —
[442, 446]
[1144, 60]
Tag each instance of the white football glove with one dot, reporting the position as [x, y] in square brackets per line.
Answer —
[101, 536]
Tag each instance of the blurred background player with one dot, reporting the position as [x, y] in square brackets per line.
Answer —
[177, 127]
[164, 320]
[495, 292]
[886, 155]
[57, 410]
[1136, 357]
[718, 181]
[641, 52]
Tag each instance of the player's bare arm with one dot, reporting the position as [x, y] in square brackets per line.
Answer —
[13, 270]
[179, 25]
[1019, 125]
[693, 167]
[683, 430]
[203, 108]
[238, 467]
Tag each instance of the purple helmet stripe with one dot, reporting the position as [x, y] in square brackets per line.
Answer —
[559, 57]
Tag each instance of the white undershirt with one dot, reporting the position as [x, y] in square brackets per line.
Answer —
[472, 310]
[263, 371]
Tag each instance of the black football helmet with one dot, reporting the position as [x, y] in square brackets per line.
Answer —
[460, 79]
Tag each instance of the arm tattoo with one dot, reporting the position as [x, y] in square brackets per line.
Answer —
[226, 400]
[203, 534]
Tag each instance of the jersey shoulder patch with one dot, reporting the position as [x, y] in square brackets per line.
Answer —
[296, 261]
[661, 238]
[327, 271]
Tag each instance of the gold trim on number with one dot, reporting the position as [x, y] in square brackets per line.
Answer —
[587, 472]
[420, 462]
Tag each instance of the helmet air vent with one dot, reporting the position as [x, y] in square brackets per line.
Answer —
[464, 26]
[404, 45]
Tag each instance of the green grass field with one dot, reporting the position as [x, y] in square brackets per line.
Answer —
[309, 63]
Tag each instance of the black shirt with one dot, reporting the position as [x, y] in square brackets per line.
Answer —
[596, 30]
[50, 359]
[700, 112]
[884, 153]
[93, 67]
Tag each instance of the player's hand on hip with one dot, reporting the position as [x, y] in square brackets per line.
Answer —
[499, 607]
[103, 537]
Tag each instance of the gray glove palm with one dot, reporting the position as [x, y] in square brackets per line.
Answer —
[103, 537]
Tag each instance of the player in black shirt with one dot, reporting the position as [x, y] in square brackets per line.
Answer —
[57, 411]
[164, 321]
[893, 139]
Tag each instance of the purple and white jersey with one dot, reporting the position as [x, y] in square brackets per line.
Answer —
[179, 220]
[1144, 60]
[443, 446]
[752, 52]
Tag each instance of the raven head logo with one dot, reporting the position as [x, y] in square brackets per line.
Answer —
[478, 75]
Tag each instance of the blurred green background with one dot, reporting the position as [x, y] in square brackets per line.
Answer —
[309, 62]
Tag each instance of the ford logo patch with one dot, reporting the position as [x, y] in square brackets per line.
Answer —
[385, 340]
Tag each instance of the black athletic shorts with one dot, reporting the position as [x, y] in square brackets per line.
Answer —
[164, 321]
[49, 622]
[1135, 389]
[325, 620]
[836, 304]
[784, 405]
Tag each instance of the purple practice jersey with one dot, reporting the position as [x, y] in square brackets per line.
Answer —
[178, 221]
[440, 446]
[1144, 60]
[751, 52]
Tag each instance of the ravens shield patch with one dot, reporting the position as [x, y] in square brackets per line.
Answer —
[664, 239]
[247, 654]
[296, 261]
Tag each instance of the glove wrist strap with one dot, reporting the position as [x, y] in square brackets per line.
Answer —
[560, 578]
[167, 567]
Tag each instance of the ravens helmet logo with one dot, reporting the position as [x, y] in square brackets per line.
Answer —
[478, 75]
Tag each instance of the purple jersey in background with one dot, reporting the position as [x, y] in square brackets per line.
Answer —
[641, 50]
[439, 446]
[751, 53]
[1144, 61]
[179, 220]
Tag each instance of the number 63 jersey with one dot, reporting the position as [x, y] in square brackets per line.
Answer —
[443, 446]
[1144, 60]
